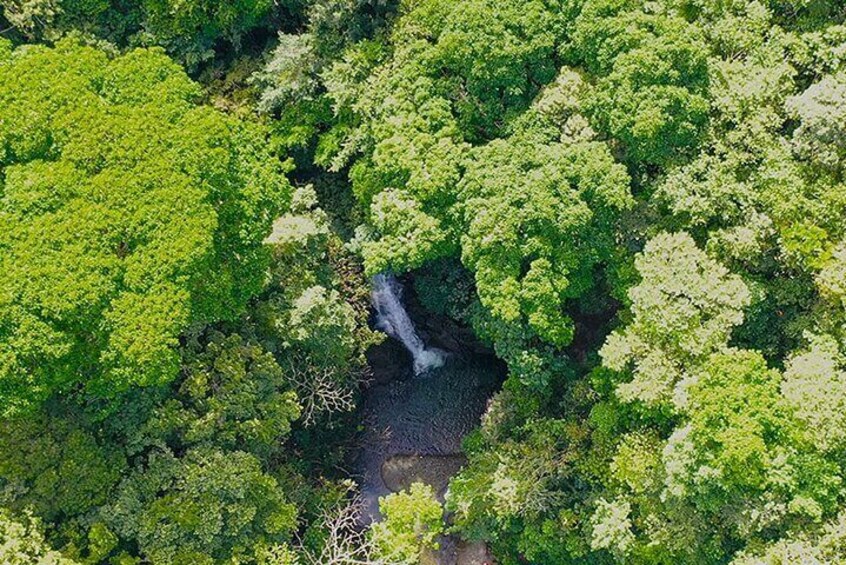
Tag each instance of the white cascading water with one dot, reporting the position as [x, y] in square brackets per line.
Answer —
[392, 319]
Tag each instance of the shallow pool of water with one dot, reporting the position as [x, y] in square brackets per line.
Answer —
[424, 415]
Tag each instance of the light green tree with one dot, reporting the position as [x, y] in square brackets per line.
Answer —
[682, 310]
[128, 214]
[412, 521]
[824, 546]
[821, 111]
[815, 387]
[22, 543]
[612, 527]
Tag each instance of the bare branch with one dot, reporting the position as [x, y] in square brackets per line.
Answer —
[346, 542]
[321, 390]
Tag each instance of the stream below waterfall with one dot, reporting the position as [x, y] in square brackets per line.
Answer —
[425, 399]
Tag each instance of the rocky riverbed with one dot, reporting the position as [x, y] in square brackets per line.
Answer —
[414, 425]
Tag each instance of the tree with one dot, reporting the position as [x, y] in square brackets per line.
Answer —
[731, 28]
[652, 92]
[820, 109]
[341, 540]
[28, 15]
[830, 277]
[314, 314]
[682, 310]
[509, 494]
[823, 546]
[815, 387]
[530, 205]
[148, 212]
[412, 522]
[412, 120]
[206, 507]
[290, 74]
[187, 30]
[55, 467]
[22, 543]
[191, 29]
[234, 395]
[227, 418]
[737, 419]
[612, 527]
[536, 251]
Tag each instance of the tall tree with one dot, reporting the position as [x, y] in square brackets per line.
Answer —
[129, 214]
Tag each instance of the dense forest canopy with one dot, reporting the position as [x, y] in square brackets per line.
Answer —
[638, 206]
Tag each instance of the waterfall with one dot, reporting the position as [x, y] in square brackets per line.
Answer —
[392, 319]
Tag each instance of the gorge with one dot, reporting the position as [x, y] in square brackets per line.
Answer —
[415, 420]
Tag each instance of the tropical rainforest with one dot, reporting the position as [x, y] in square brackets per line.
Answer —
[639, 206]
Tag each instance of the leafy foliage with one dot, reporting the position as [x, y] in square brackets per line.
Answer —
[412, 523]
[23, 543]
[188, 30]
[146, 211]
[638, 206]
[206, 506]
[683, 309]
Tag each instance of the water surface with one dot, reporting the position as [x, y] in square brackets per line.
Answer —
[426, 415]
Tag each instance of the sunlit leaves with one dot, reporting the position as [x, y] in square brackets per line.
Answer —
[683, 309]
[23, 542]
[815, 387]
[412, 521]
[535, 214]
[653, 79]
[821, 110]
[129, 214]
